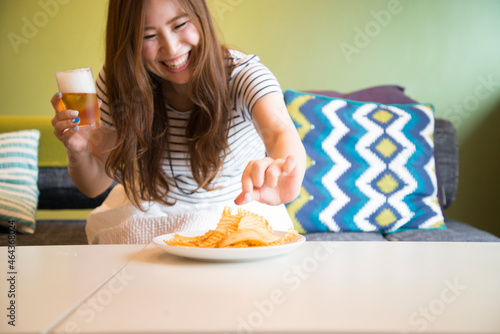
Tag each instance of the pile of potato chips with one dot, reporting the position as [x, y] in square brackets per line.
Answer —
[244, 229]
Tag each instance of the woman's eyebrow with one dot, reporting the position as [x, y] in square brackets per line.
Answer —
[178, 17]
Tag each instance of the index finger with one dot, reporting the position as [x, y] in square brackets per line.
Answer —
[246, 179]
[57, 102]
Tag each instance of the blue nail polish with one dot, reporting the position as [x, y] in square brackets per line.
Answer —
[76, 120]
[75, 128]
[58, 94]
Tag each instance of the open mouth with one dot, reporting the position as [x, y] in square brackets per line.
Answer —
[179, 64]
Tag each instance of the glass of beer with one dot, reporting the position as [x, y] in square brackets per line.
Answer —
[79, 93]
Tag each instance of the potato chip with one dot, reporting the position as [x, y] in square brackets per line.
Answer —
[245, 229]
[227, 224]
[253, 221]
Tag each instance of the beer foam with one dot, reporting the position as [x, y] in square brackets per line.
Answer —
[76, 81]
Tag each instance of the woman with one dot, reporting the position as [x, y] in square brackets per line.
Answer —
[188, 127]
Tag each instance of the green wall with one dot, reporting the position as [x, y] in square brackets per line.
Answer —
[446, 52]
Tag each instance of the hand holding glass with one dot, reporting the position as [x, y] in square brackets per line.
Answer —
[79, 93]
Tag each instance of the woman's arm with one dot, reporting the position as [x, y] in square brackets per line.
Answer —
[87, 168]
[87, 149]
[277, 178]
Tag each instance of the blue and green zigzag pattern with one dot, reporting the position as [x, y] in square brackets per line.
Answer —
[370, 167]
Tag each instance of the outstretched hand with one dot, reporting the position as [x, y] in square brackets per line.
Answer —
[270, 181]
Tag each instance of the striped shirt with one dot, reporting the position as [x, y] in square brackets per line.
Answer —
[249, 82]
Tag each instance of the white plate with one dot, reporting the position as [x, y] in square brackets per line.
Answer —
[226, 254]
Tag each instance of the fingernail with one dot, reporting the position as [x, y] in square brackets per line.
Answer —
[76, 120]
[74, 113]
[248, 198]
[75, 128]
[58, 94]
[284, 174]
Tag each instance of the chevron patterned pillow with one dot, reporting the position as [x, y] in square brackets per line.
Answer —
[370, 166]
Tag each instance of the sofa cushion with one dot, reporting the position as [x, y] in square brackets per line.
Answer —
[446, 154]
[57, 191]
[455, 231]
[370, 166]
[18, 179]
[345, 236]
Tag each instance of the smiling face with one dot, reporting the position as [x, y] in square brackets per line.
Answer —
[169, 40]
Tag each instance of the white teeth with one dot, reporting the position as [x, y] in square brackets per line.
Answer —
[178, 63]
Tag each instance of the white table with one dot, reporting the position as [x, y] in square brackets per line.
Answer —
[51, 280]
[342, 287]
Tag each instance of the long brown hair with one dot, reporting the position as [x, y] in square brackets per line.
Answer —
[138, 110]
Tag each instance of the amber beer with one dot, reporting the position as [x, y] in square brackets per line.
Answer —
[78, 93]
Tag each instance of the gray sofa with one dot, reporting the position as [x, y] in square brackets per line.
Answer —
[57, 191]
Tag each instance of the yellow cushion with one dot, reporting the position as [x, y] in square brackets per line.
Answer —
[51, 151]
